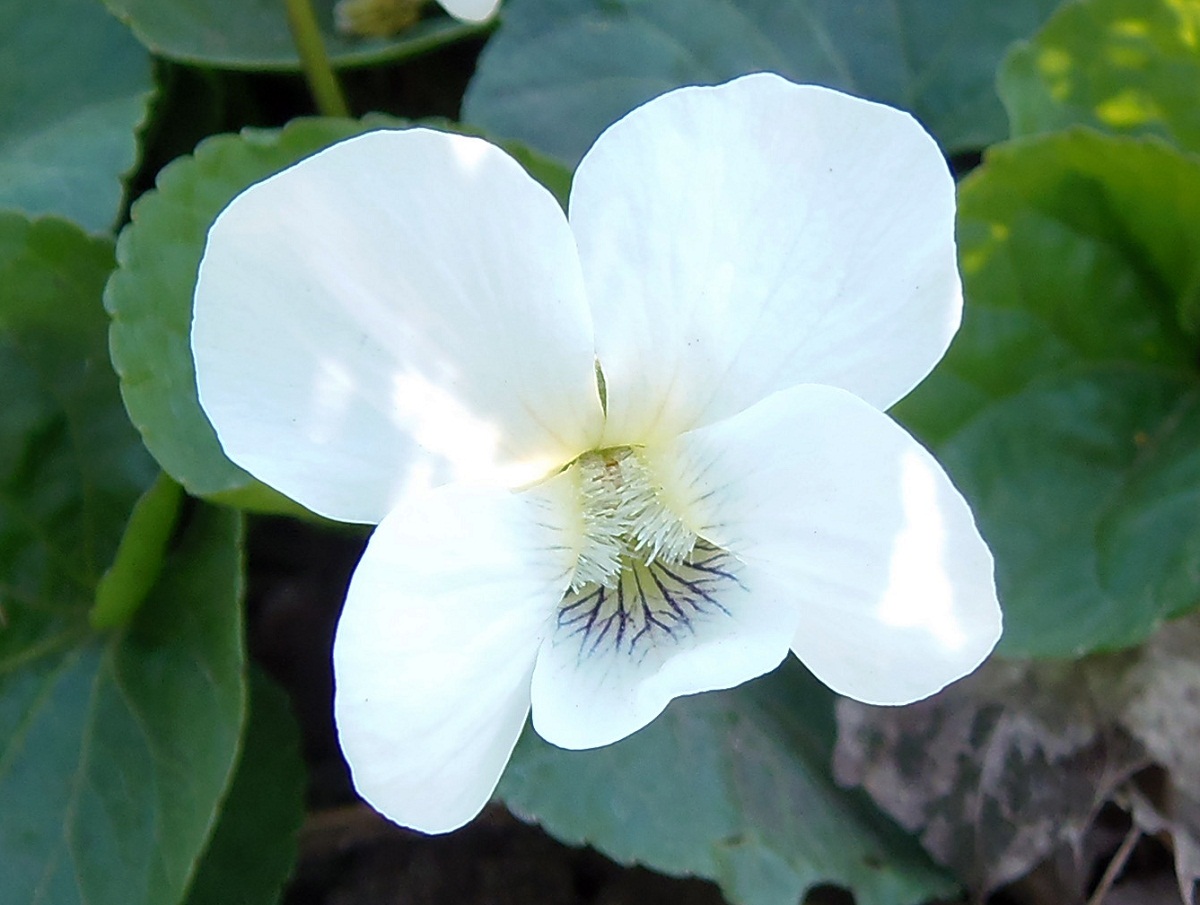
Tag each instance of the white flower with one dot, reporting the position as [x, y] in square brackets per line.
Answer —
[615, 460]
[471, 10]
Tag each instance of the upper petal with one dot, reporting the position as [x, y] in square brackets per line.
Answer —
[436, 646]
[471, 10]
[892, 584]
[741, 239]
[403, 308]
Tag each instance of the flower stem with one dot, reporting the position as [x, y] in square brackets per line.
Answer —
[322, 80]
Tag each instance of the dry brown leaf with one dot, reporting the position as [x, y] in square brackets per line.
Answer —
[995, 774]
[1160, 707]
[1153, 890]
[1175, 818]
[1007, 768]
[1161, 701]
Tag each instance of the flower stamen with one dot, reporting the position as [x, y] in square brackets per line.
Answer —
[624, 518]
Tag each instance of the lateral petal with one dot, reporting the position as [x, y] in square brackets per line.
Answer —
[436, 646]
[892, 584]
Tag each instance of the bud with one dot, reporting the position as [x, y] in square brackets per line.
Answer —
[375, 18]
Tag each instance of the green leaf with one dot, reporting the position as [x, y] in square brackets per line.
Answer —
[1066, 406]
[733, 786]
[71, 466]
[557, 73]
[115, 755]
[74, 88]
[254, 34]
[254, 845]
[150, 299]
[150, 294]
[1124, 66]
[1067, 480]
[114, 750]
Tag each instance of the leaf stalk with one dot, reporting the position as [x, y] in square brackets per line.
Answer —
[314, 59]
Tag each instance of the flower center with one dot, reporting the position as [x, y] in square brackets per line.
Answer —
[624, 518]
[643, 579]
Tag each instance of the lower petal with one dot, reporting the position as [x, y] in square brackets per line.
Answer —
[436, 646]
[891, 582]
[616, 657]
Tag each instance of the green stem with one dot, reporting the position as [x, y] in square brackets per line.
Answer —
[315, 60]
[140, 555]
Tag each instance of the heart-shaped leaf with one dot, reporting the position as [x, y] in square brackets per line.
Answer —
[1066, 408]
[734, 786]
[557, 73]
[74, 87]
[1124, 66]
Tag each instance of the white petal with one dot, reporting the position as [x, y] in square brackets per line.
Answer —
[892, 583]
[400, 310]
[607, 669]
[436, 645]
[745, 238]
[471, 10]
